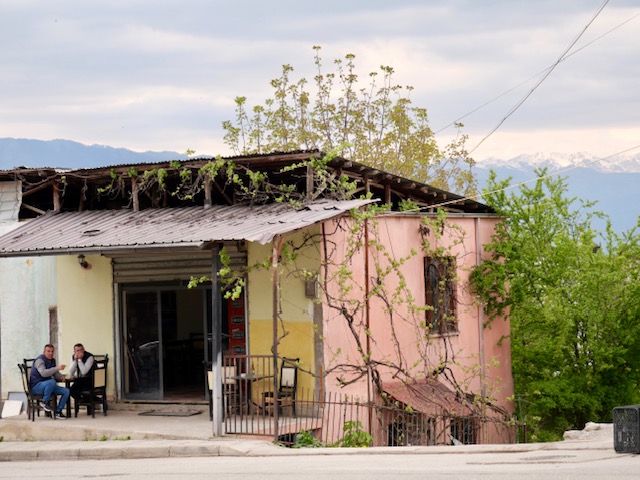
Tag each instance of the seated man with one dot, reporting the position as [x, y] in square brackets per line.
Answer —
[44, 375]
[82, 364]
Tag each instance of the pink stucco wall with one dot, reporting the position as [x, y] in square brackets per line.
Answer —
[479, 358]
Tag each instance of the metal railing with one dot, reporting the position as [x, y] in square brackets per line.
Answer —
[330, 418]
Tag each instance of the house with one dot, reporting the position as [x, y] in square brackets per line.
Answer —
[165, 266]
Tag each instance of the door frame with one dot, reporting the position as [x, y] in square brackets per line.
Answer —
[157, 288]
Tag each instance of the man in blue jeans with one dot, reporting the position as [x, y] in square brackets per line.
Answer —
[44, 375]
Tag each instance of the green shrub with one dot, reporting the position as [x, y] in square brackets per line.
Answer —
[354, 436]
[305, 439]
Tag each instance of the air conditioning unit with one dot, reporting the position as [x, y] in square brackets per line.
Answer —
[626, 429]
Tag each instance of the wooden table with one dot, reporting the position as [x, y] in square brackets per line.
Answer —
[67, 383]
[245, 382]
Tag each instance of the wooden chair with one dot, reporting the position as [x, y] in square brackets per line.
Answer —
[288, 384]
[33, 400]
[229, 388]
[96, 394]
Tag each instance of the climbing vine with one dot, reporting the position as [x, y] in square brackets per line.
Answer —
[348, 294]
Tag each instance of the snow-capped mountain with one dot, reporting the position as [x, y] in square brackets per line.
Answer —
[623, 163]
[612, 182]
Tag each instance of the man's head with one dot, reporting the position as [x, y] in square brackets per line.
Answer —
[78, 349]
[48, 351]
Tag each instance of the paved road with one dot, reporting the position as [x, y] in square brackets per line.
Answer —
[582, 464]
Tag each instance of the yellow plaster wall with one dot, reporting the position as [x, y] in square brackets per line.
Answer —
[85, 309]
[297, 309]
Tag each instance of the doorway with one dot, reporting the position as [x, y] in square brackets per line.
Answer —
[166, 337]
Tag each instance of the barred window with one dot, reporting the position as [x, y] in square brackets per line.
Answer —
[439, 275]
[464, 430]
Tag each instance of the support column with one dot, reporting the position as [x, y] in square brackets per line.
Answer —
[216, 343]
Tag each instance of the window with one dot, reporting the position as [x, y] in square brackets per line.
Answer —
[412, 429]
[439, 274]
[463, 430]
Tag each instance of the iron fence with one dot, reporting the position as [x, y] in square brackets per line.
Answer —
[335, 419]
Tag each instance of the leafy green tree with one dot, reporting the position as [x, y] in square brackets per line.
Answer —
[375, 124]
[575, 339]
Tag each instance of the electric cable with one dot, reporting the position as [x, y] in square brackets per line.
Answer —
[457, 120]
[559, 172]
[542, 79]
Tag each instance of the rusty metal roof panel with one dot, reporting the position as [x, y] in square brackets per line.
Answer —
[427, 396]
[102, 231]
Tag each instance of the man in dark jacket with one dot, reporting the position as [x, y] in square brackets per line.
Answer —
[44, 375]
[81, 370]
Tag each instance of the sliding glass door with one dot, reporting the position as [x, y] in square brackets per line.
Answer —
[142, 344]
[165, 337]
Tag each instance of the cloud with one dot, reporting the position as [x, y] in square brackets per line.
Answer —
[159, 75]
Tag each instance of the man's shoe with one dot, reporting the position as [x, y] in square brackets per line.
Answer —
[60, 416]
[45, 407]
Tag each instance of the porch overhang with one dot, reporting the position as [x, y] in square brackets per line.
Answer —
[152, 230]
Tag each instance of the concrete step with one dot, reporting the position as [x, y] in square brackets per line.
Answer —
[139, 406]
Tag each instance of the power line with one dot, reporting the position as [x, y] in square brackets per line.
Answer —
[542, 79]
[559, 172]
[457, 120]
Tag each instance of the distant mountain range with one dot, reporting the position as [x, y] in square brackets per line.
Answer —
[19, 152]
[557, 161]
[613, 181]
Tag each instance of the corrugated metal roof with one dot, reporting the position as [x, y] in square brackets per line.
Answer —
[103, 231]
[423, 194]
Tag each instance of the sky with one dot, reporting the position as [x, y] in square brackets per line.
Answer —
[163, 75]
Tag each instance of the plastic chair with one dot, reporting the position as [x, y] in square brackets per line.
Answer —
[286, 388]
[96, 394]
[33, 400]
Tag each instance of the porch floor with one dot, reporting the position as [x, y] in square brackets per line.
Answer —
[125, 422]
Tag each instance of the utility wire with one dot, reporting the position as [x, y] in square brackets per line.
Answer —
[457, 120]
[559, 172]
[542, 79]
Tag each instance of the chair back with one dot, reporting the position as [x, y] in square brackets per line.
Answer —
[99, 374]
[288, 376]
[228, 375]
[228, 381]
[33, 407]
[97, 390]
[25, 378]
[25, 368]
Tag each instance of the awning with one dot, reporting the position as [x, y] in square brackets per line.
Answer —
[428, 396]
[192, 228]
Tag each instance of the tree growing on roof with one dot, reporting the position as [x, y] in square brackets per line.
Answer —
[385, 284]
[375, 124]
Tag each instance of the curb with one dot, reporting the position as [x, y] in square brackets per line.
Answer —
[30, 451]
[138, 449]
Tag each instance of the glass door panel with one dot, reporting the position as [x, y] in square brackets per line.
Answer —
[143, 346]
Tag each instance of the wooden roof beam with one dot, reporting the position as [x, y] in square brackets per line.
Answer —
[56, 197]
[207, 193]
[33, 209]
[42, 186]
[134, 194]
